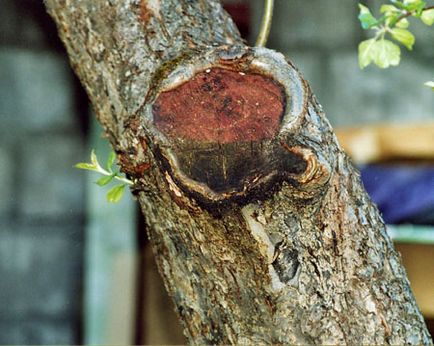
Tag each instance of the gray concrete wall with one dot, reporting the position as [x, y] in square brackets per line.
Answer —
[41, 194]
[321, 37]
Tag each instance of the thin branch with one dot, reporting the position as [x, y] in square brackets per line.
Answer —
[408, 14]
[264, 31]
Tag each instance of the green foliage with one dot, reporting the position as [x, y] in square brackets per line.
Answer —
[115, 194]
[393, 22]
[105, 180]
[403, 36]
[383, 53]
[428, 17]
[366, 18]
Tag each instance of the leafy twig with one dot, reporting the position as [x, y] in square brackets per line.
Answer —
[408, 14]
[393, 22]
[115, 193]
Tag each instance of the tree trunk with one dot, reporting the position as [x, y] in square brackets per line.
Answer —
[259, 223]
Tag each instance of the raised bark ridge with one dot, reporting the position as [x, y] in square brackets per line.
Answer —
[308, 260]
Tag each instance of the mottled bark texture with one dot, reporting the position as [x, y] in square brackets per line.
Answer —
[263, 233]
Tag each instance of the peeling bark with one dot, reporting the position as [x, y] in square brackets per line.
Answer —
[263, 237]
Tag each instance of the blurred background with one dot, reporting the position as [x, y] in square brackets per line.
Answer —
[76, 270]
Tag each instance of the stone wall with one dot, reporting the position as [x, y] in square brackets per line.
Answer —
[42, 135]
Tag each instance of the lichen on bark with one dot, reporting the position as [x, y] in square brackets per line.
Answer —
[286, 256]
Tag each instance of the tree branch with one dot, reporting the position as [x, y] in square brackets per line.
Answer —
[408, 14]
[260, 225]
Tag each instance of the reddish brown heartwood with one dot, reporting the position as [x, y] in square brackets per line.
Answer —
[221, 106]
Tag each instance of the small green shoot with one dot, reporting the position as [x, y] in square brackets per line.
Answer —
[115, 194]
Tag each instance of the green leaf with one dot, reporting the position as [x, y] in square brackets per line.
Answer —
[403, 23]
[105, 180]
[93, 158]
[428, 17]
[383, 53]
[366, 52]
[110, 161]
[398, 4]
[386, 53]
[391, 14]
[416, 6]
[115, 194]
[85, 165]
[403, 36]
[366, 18]
[430, 84]
[388, 8]
[419, 12]
[412, 2]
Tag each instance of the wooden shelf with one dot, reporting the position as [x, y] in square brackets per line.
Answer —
[367, 144]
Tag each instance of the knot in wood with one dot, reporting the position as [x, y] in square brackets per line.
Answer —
[222, 127]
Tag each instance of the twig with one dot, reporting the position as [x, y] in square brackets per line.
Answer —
[264, 31]
[408, 14]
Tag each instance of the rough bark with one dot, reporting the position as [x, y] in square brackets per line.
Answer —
[292, 250]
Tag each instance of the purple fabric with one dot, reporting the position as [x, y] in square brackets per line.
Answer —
[402, 192]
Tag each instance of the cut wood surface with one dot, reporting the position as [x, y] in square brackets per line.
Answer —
[265, 237]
